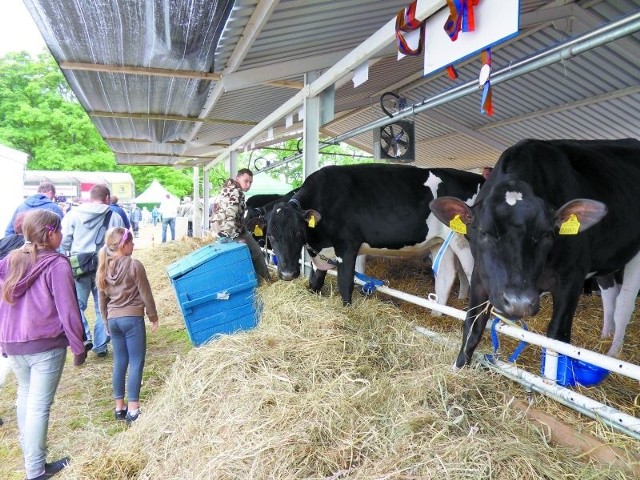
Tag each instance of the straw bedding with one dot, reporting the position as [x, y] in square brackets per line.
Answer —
[322, 391]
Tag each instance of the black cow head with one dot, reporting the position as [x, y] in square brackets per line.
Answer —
[287, 232]
[511, 232]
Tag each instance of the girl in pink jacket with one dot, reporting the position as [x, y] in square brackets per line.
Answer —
[39, 319]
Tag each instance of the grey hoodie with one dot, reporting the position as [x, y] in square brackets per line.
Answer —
[81, 226]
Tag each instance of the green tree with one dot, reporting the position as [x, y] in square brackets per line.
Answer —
[40, 115]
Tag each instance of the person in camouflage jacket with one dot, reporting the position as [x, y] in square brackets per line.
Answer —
[227, 215]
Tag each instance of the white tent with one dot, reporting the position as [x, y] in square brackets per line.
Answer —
[263, 183]
[154, 194]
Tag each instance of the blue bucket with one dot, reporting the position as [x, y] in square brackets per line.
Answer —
[572, 372]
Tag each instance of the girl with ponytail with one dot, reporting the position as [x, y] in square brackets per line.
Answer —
[125, 295]
[39, 319]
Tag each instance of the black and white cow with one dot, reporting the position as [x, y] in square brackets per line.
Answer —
[370, 209]
[540, 223]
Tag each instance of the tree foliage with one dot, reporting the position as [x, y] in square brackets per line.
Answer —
[40, 115]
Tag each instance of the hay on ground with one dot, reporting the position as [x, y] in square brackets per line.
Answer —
[322, 391]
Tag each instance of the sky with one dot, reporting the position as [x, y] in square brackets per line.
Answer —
[18, 31]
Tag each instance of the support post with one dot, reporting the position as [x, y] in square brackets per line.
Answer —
[197, 228]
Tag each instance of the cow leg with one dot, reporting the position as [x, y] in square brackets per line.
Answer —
[346, 270]
[625, 303]
[565, 302]
[474, 324]
[316, 279]
[609, 290]
[460, 246]
[445, 277]
[463, 280]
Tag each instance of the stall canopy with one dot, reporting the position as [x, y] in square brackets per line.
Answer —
[177, 82]
[264, 184]
[155, 193]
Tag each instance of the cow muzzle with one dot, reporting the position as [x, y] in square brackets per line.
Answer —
[288, 275]
[518, 304]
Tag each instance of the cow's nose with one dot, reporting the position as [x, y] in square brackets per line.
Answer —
[287, 275]
[520, 304]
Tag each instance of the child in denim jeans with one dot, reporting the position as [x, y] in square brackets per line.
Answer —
[39, 319]
[125, 294]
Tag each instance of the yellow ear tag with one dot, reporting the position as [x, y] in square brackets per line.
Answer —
[312, 222]
[257, 231]
[571, 226]
[458, 225]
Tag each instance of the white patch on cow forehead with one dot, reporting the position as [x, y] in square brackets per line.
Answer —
[278, 210]
[512, 197]
[432, 183]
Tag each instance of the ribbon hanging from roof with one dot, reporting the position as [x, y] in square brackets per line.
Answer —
[406, 21]
[452, 72]
[461, 17]
[486, 104]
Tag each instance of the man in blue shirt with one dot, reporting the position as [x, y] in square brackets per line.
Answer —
[115, 208]
[42, 199]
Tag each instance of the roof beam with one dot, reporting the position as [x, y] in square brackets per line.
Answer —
[154, 72]
[169, 118]
[364, 51]
[149, 154]
[141, 140]
[259, 75]
[259, 18]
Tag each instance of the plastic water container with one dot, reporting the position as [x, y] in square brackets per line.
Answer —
[572, 372]
[215, 286]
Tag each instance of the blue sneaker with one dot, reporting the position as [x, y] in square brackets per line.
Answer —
[50, 469]
[131, 418]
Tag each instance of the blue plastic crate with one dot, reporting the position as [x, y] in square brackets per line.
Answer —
[215, 287]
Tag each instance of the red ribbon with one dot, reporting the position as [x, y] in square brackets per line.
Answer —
[461, 17]
[486, 104]
[406, 22]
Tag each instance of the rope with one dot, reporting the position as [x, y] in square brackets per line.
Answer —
[496, 342]
[370, 284]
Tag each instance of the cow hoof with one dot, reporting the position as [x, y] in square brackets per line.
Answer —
[614, 351]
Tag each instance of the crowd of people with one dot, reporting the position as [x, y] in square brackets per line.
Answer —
[35, 272]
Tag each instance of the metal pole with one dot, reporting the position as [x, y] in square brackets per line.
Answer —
[605, 34]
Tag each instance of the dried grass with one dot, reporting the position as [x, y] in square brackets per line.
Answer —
[322, 391]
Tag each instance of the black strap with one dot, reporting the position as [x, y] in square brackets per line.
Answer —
[102, 230]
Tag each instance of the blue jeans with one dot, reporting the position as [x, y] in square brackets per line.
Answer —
[172, 225]
[38, 377]
[86, 286]
[129, 342]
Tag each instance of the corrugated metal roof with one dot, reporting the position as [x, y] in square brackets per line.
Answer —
[149, 74]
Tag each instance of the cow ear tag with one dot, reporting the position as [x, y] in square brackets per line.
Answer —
[257, 231]
[571, 226]
[458, 225]
[312, 222]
